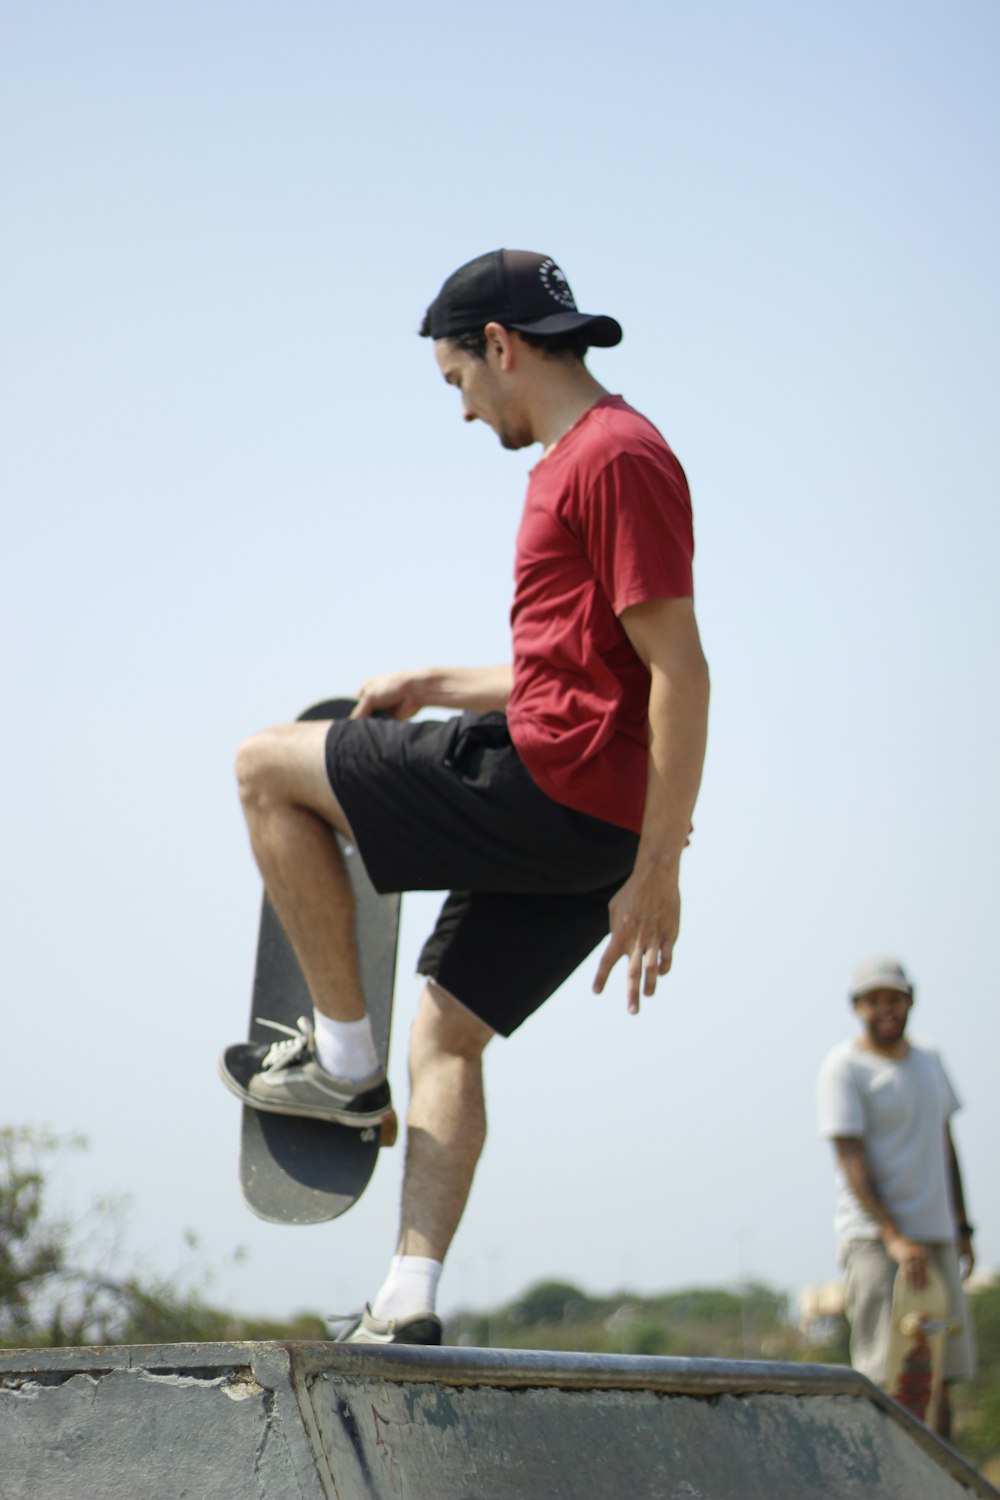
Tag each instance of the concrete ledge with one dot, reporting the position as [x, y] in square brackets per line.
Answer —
[282, 1421]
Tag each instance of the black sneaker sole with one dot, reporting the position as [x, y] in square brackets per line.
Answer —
[422, 1331]
[427, 1331]
[232, 1064]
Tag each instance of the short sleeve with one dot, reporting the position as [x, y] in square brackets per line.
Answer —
[839, 1107]
[637, 530]
[950, 1102]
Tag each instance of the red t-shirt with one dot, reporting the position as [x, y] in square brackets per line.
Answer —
[606, 524]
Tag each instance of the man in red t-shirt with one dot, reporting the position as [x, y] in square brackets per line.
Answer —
[553, 809]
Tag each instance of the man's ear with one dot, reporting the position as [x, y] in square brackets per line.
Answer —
[501, 345]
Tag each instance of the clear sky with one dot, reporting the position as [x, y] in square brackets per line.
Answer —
[233, 483]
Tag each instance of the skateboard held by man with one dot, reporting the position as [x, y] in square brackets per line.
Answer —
[920, 1323]
[295, 1170]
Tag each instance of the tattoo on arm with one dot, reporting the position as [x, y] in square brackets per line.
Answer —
[854, 1163]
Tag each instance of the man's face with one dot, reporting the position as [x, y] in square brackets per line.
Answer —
[883, 1014]
[487, 392]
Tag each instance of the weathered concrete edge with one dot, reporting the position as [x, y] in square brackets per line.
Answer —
[295, 1365]
[273, 1367]
[281, 1360]
[668, 1375]
[516, 1368]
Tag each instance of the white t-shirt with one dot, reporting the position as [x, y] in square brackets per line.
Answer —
[900, 1110]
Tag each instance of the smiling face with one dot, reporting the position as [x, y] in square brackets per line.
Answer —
[884, 1014]
[488, 390]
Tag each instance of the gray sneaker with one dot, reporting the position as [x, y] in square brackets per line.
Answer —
[285, 1078]
[424, 1328]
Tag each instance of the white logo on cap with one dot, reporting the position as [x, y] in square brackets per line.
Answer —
[556, 284]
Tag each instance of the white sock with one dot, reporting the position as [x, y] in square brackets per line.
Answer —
[345, 1048]
[410, 1287]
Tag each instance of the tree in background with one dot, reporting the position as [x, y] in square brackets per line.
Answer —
[976, 1405]
[58, 1280]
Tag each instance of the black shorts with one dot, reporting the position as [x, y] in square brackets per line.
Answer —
[450, 806]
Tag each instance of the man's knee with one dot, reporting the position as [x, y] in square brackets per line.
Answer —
[286, 765]
[443, 1026]
[257, 762]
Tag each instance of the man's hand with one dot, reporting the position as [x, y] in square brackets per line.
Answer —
[392, 694]
[908, 1254]
[645, 920]
[645, 915]
[966, 1254]
[461, 689]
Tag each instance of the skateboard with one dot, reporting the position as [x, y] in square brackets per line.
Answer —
[920, 1324]
[299, 1171]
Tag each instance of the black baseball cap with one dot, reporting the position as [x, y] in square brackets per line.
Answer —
[521, 290]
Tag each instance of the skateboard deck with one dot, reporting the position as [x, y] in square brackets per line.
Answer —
[920, 1324]
[299, 1171]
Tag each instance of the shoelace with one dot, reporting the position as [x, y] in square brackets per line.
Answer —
[299, 1040]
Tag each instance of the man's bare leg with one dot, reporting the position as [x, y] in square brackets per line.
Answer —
[446, 1128]
[291, 813]
[446, 1121]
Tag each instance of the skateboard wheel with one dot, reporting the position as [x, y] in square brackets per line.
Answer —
[390, 1129]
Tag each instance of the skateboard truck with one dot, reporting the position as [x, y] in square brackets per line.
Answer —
[915, 1322]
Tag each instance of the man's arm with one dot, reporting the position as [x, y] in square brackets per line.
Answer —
[645, 914]
[468, 689]
[850, 1151]
[964, 1228]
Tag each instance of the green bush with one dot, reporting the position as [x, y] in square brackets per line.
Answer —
[59, 1282]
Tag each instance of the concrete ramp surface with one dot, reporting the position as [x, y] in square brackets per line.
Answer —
[316, 1421]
